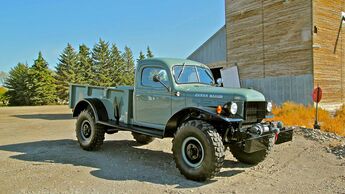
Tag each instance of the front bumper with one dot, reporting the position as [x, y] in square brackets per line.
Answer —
[261, 142]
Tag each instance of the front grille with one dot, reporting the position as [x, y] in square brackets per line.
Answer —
[255, 111]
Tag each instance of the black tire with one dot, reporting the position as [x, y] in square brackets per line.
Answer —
[251, 158]
[142, 139]
[198, 150]
[89, 135]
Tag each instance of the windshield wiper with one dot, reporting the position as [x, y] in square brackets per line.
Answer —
[179, 75]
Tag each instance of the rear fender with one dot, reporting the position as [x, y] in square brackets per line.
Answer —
[97, 107]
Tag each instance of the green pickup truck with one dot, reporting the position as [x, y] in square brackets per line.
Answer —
[177, 98]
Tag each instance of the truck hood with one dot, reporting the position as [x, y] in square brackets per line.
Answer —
[219, 93]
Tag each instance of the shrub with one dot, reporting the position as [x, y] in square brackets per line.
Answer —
[299, 115]
[3, 96]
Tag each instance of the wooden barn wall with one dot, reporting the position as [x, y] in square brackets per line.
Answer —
[329, 42]
[269, 38]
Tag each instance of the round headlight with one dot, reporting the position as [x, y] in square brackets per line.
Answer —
[269, 106]
[233, 108]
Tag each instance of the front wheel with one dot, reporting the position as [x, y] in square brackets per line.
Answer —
[198, 150]
[89, 135]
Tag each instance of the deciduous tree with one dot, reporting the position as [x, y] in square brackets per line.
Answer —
[3, 76]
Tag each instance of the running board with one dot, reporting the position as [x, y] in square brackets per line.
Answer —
[142, 130]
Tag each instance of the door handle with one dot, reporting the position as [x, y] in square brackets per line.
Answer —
[178, 94]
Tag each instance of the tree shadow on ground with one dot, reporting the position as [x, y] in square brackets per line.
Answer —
[117, 160]
[45, 116]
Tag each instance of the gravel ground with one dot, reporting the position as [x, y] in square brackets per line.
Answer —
[39, 154]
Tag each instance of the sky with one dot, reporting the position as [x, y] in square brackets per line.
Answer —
[172, 28]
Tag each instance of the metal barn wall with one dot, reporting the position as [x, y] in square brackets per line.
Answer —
[213, 51]
[284, 88]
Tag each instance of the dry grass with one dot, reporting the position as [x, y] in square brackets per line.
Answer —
[298, 115]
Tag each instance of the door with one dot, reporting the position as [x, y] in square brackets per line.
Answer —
[152, 99]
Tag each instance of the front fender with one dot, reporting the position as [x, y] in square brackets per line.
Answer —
[205, 113]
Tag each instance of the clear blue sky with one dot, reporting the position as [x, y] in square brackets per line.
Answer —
[172, 28]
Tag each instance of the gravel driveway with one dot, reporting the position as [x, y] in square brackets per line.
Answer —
[39, 154]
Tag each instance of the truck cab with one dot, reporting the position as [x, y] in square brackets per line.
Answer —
[178, 98]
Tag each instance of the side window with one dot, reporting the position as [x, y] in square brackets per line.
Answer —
[147, 77]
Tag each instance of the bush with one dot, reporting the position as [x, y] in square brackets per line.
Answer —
[3, 96]
[299, 115]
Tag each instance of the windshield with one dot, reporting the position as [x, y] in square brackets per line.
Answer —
[186, 74]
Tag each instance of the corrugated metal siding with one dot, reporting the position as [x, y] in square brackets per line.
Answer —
[284, 88]
[213, 50]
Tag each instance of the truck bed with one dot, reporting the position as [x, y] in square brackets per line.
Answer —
[112, 97]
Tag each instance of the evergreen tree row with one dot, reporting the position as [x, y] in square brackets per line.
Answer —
[103, 65]
[33, 85]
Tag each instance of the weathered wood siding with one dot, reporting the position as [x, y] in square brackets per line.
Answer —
[329, 62]
[269, 38]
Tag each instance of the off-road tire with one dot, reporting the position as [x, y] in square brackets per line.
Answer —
[96, 137]
[142, 139]
[212, 145]
[251, 158]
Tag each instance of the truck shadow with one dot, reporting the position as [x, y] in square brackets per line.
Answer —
[117, 160]
[45, 116]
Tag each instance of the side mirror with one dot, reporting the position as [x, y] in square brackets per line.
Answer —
[156, 78]
[219, 82]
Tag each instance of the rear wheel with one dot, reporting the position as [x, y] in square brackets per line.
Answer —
[198, 150]
[251, 158]
[142, 139]
[89, 135]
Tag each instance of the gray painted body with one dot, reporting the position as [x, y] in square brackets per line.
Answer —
[152, 107]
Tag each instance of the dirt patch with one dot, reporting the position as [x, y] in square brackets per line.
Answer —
[39, 153]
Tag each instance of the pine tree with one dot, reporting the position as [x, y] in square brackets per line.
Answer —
[101, 64]
[19, 84]
[84, 66]
[149, 53]
[43, 83]
[141, 56]
[66, 72]
[128, 67]
[117, 63]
